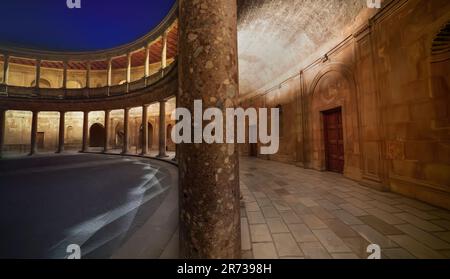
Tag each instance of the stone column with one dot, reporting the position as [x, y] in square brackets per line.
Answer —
[164, 51]
[129, 68]
[62, 128]
[107, 121]
[5, 69]
[85, 131]
[2, 130]
[144, 130]
[34, 127]
[88, 74]
[147, 60]
[64, 85]
[109, 74]
[209, 173]
[162, 130]
[38, 75]
[126, 126]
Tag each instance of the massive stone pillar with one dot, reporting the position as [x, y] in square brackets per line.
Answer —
[62, 127]
[2, 130]
[162, 130]
[144, 130]
[85, 131]
[209, 177]
[107, 121]
[126, 129]
[34, 127]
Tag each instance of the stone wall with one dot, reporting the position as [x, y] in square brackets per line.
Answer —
[394, 101]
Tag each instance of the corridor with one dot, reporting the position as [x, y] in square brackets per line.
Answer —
[290, 212]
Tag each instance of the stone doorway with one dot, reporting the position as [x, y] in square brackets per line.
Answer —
[334, 140]
[96, 135]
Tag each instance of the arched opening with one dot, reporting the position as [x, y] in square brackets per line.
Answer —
[150, 136]
[97, 135]
[119, 135]
[73, 84]
[170, 144]
[43, 83]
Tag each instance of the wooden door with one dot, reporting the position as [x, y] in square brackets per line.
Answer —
[334, 140]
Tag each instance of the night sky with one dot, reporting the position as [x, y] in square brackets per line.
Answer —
[99, 24]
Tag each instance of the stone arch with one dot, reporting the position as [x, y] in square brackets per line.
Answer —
[97, 135]
[170, 146]
[334, 87]
[440, 77]
[74, 84]
[43, 83]
[119, 135]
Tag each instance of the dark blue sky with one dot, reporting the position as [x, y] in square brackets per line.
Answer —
[99, 24]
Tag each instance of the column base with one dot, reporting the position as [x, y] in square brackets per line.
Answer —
[162, 156]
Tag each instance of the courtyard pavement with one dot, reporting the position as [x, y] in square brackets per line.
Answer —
[290, 212]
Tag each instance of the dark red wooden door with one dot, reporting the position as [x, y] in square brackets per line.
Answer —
[334, 140]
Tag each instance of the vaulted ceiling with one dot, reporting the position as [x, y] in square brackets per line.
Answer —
[277, 37]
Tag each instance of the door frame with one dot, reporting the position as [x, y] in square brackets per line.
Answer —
[339, 110]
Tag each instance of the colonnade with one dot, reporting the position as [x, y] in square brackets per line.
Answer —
[85, 135]
[109, 69]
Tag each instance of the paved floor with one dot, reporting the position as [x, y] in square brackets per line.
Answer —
[111, 206]
[289, 212]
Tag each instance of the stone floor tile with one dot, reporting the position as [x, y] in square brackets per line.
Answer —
[322, 213]
[264, 251]
[340, 229]
[345, 256]
[247, 255]
[252, 206]
[397, 253]
[328, 205]
[270, 212]
[347, 218]
[420, 223]
[331, 241]
[302, 233]
[443, 235]
[442, 223]
[355, 211]
[255, 217]
[246, 242]
[314, 250]
[384, 216]
[260, 233]
[358, 245]
[281, 206]
[358, 203]
[380, 225]
[262, 202]
[286, 245]
[419, 213]
[416, 248]
[313, 222]
[308, 202]
[385, 207]
[424, 237]
[277, 225]
[290, 217]
[373, 236]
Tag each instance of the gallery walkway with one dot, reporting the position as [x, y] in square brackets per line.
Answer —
[290, 212]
